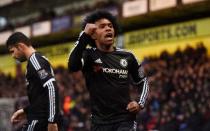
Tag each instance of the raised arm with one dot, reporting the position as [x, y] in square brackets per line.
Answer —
[85, 38]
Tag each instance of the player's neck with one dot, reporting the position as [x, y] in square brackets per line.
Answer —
[29, 52]
[106, 48]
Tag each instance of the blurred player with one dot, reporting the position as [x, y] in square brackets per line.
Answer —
[42, 113]
[107, 71]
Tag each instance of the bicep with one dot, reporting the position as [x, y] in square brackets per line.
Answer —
[86, 61]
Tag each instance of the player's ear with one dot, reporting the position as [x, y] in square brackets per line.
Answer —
[21, 46]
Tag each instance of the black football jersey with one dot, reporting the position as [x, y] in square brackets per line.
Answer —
[108, 76]
[41, 89]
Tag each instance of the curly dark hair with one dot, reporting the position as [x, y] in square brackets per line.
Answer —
[97, 15]
[101, 14]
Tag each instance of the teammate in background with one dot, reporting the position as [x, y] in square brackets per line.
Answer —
[42, 113]
[108, 72]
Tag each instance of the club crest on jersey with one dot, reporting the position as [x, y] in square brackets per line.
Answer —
[123, 63]
[42, 74]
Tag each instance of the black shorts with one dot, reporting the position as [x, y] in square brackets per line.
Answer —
[35, 125]
[120, 126]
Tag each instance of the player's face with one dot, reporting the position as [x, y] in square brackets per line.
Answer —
[104, 33]
[17, 53]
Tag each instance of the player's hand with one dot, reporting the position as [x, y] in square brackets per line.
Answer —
[52, 127]
[18, 116]
[133, 107]
[90, 29]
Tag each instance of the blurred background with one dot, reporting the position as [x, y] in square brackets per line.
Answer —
[171, 38]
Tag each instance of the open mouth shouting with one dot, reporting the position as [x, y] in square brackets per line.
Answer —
[109, 36]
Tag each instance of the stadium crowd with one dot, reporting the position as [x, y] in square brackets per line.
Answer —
[179, 98]
[179, 93]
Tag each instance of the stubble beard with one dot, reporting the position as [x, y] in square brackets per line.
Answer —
[21, 59]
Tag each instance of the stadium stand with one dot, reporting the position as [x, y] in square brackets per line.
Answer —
[179, 97]
[26, 13]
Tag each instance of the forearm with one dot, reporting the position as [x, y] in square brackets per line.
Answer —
[145, 90]
[52, 127]
[75, 63]
[53, 106]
